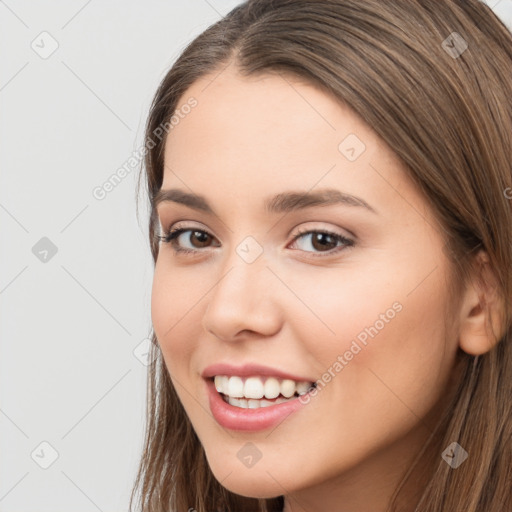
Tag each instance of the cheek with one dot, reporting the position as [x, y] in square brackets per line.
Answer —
[381, 331]
[175, 309]
[344, 310]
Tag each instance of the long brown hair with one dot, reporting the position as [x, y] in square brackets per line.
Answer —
[433, 78]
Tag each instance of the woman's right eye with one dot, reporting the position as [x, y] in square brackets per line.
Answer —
[196, 239]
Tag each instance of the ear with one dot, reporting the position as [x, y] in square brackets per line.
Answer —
[482, 310]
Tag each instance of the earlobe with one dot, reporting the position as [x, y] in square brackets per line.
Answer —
[482, 310]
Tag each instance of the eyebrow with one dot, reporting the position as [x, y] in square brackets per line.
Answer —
[280, 203]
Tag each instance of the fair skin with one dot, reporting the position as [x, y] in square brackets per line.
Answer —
[298, 307]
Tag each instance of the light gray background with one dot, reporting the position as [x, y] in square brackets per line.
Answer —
[73, 323]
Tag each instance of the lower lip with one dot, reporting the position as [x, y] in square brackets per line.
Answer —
[236, 418]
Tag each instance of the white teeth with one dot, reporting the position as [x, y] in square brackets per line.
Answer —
[253, 404]
[221, 382]
[253, 388]
[235, 387]
[287, 388]
[303, 387]
[257, 388]
[272, 388]
[238, 402]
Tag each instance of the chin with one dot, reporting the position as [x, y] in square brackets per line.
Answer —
[248, 482]
[253, 488]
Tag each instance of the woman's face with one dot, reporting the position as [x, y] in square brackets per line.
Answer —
[348, 293]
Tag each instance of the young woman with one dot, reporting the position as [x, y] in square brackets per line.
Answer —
[330, 185]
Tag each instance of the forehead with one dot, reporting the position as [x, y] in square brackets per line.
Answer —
[264, 115]
[249, 137]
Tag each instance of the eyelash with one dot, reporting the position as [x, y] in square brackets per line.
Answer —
[169, 237]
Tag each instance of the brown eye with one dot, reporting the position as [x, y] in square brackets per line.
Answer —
[187, 240]
[202, 238]
[321, 242]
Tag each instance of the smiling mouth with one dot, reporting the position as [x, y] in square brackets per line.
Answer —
[256, 392]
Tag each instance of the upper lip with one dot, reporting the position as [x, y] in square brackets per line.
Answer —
[248, 370]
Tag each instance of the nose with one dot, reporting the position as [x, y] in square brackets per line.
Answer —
[243, 302]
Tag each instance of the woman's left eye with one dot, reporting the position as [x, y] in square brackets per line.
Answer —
[322, 241]
[308, 241]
